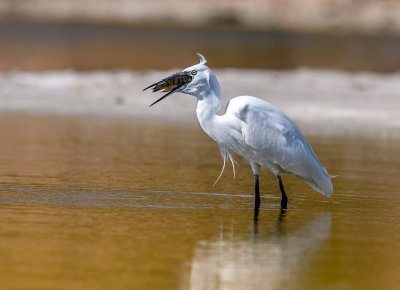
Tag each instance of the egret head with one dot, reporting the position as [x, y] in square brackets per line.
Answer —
[191, 80]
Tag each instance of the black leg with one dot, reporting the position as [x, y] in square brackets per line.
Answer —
[255, 219]
[284, 197]
[257, 191]
[280, 230]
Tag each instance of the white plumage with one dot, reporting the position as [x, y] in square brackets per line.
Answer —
[254, 129]
[274, 142]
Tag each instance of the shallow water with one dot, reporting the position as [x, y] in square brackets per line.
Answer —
[90, 46]
[125, 204]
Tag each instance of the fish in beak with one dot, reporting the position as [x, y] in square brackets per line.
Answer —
[170, 84]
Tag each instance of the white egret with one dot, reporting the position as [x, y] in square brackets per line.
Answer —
[251, 127]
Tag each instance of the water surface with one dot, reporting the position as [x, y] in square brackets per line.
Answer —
[125, 204]
[90, 46]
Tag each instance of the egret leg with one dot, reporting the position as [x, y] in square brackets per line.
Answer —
[284, 196]
[255, 219]
[257, 191]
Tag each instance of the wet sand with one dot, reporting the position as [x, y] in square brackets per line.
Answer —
[321, 102]
[104, 203]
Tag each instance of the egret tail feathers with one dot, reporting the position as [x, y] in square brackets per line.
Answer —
[322, 185]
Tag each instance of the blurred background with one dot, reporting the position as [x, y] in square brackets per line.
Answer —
[316, 59]
[129, 34]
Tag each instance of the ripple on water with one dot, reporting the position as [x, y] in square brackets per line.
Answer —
[100, 197]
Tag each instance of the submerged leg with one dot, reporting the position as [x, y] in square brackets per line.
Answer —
[257, 191]
[255, 219]
[284, 196]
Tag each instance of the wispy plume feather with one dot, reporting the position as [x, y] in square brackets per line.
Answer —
[224, 154]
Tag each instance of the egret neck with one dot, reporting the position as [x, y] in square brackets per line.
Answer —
[208, 104]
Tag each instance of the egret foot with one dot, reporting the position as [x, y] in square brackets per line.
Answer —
[284, 199]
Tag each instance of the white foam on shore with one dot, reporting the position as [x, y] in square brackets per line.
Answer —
[322, 102]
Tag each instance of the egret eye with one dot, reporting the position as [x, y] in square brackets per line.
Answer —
[193, 72]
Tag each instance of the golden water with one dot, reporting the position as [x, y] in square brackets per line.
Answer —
[125, 204]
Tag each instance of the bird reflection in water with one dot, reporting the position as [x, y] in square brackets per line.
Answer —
[269, 260]
[282, 214]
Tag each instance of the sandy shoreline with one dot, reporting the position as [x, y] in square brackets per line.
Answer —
[295, 15]
[321, 102]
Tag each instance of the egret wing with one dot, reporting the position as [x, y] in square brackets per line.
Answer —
[278, 143]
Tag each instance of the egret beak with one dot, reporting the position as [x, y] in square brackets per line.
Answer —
[170, 84]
